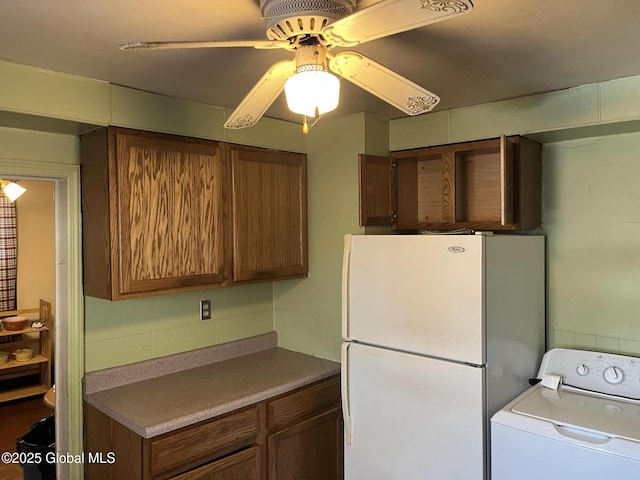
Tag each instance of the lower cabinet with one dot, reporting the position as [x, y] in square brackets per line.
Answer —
[294, 436]
[309, 450]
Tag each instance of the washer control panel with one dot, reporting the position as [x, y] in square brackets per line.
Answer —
[601, 372]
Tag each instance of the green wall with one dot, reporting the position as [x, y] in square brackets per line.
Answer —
[128, 331]
[591, 218]
[308, 312]
[41, 114]
[590, 208]
[589, 224]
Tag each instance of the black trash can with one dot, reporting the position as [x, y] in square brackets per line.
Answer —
[33, 448]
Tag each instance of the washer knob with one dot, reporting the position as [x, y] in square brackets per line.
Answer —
[582, 370]
[613, 375]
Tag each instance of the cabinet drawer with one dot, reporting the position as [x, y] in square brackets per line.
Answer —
[303, 403]
[178, 451]
[243, 465]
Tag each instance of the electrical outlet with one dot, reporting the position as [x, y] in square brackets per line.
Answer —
[205, 309]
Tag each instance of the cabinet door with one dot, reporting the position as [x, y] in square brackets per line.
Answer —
[375, 190]
[169, 214]
[311, 450]
[269, 214]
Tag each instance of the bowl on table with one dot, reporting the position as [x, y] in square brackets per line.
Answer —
[14, 323]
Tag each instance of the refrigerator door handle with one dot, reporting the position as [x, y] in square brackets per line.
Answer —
[344, 380]
[346, 258]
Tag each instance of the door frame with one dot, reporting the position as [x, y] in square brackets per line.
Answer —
[69, 334]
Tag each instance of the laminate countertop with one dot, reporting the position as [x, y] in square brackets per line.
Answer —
[164, 403]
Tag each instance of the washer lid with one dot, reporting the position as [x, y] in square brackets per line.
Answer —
[609, 416]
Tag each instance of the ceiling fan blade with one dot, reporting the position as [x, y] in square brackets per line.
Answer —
[389, 17]
[261, 96]
[386, 84]
[260, 44]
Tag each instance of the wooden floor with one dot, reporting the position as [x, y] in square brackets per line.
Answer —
[15, 420]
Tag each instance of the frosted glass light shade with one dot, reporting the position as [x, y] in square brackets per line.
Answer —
[12, 190]
[307, 90]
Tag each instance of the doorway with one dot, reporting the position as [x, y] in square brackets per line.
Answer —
[28, 265]
[69, 330]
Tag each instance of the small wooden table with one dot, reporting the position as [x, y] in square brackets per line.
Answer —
[50, 398]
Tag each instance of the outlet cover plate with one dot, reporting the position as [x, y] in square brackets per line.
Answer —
[205, 309]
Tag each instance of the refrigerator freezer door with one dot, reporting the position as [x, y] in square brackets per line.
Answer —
[413, 417]
[416, 293]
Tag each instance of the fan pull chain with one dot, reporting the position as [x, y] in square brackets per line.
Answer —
[305, 126]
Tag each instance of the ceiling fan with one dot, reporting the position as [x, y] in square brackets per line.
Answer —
[311, 29]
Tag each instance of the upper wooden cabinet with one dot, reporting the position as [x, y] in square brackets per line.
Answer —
[152, 208]
[164, 214]
[268, 213]
[490, 184]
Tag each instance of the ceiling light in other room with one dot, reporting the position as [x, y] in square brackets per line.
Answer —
[11, 190]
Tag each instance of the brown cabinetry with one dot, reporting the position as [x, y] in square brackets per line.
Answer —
[167, 454]
[309, 449]
[152, 213]
[243, 465]
[269, 214]
[164, 214]
[305, 433]
[490, 184]
[289, 437]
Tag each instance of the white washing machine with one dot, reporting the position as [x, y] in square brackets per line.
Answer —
[587, 428]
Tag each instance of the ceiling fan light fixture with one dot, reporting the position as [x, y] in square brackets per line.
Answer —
[312, 92]
[11, 190]
[313, 27]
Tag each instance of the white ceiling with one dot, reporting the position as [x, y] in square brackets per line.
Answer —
[503, 49]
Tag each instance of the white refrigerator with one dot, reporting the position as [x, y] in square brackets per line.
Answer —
[440, 331]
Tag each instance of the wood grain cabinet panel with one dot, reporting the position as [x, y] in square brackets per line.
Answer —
[191, 446]
[103, 435]
[310, 450]
[165, 214]
[374, 187]
[269, 214]
[244, 465]
[303, 403]
[493, 184]
[305, 433]
[153, 213]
